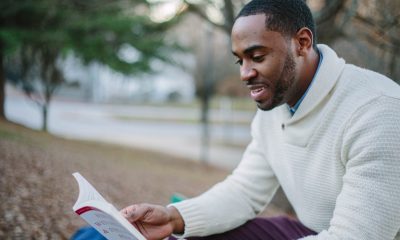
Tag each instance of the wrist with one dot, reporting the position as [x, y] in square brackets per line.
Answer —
[176, 220]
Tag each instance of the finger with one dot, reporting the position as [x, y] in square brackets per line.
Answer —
[124, 211]
[149, 234]
[129, 212]
[135, 212]
[141, 228]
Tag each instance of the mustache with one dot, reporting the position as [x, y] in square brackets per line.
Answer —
[254, 81]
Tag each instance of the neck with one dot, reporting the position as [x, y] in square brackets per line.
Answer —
[307, 72]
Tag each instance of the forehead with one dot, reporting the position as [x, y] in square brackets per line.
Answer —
[250, 31]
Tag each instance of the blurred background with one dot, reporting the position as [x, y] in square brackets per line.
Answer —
[135, 88]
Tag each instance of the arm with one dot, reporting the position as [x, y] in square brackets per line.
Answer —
[225, 206]
[237, 199]
[368, 204]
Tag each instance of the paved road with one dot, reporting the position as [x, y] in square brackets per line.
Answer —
[121, 124]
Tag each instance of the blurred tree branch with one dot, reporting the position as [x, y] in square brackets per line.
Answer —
[228, 11]
[377, 32]
[200, 11]
[329, 11]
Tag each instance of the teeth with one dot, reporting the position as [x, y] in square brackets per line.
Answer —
[258, 90]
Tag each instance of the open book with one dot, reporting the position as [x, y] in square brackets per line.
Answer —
[101, 215]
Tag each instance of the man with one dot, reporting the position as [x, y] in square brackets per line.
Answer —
[327, 132]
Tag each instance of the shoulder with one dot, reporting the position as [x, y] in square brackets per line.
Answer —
[369, 94]
[363, 93]
[357, 79]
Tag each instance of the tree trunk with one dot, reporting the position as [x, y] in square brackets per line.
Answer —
[393, 64]
[48, 93]
[206, 95]
[229, 14]
[2, 83]
[44, 116]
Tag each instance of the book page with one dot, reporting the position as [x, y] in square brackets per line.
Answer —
[86, 191]
[101, 215]
[106, 225]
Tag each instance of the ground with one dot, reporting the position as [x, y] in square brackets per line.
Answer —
[37, 190]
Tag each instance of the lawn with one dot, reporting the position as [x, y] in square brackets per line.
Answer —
[37, 190]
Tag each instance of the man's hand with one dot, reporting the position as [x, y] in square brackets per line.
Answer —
[154, 221]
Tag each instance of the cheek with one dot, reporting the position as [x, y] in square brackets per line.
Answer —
[272, 68]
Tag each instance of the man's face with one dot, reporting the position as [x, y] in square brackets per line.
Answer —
[266, 62]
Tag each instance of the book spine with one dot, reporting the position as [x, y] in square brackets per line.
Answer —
[86, 209]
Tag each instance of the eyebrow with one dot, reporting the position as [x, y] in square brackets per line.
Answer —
[251, 49]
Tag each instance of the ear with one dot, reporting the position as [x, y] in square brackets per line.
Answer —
[304, 41]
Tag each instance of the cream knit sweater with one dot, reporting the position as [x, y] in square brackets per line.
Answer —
[337, 159]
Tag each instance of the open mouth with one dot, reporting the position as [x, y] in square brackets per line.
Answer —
[258, 92]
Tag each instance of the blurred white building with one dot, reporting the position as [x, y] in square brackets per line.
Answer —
[99, 83]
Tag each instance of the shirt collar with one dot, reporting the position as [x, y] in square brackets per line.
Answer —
[296, 106]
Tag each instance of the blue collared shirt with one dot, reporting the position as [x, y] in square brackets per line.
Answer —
[296, 106]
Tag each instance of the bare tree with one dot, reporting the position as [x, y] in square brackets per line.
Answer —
[372, 27]
[39, 76]
[2, 83]
[227, 9]
[379, 26]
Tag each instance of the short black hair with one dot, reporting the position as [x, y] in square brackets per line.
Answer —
[284, 16]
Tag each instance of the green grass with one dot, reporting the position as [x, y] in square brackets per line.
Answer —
[242, 104]
[9, 135]
[185, 120]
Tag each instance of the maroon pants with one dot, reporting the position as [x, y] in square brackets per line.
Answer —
[275, 228]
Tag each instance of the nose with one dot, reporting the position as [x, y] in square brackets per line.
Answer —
[247, 72]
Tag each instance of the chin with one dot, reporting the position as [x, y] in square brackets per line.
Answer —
[264, 107]
[268, 105]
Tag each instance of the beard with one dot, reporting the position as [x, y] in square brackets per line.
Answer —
[283, 86]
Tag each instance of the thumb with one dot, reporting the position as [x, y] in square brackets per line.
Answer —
[135, 212]
[130, 213]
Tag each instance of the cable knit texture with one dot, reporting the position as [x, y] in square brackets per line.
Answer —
[337, 159]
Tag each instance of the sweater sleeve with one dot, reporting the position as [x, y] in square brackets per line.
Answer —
[237, 199]
[368, 204]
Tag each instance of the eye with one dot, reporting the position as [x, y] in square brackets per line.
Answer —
[239, 61]
[258, 59]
